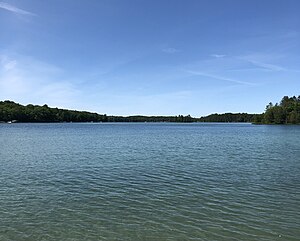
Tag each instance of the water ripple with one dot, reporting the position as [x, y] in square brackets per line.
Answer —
[149, 182]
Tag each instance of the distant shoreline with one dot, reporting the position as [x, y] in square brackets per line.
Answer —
[130, 122]
[286, 112]
[14, 112]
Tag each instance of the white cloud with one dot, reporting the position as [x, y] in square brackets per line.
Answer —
[218, 77]
[218, 55]
[7, 64]
[28, 80]
[266, 66]
[262, 61]
[170, 50]
[10, 65]
[14, 9]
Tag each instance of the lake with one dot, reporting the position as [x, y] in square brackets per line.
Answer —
[149, 181]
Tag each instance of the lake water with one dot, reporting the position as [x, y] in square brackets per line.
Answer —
[149, 182]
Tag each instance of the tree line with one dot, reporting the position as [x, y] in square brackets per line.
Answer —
[140, 118]
[228, 117]
[11, 111]
[285, 112]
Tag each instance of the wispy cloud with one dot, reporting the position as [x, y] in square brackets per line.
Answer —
[170, 50]
[217, 77]
[266, 66]
[15, 9]
[30, 80]
[218, 55]
[262, 61]
[7, 64]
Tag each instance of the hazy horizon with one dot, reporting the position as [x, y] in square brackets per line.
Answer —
[150, 57]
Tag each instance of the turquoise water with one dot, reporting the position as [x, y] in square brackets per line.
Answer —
[149, 182]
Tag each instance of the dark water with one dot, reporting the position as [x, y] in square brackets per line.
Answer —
[149, 182]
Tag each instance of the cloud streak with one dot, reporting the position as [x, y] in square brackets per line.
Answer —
[14, 9]
[267, 66]
[170, 50]
[218, 55]
[217, 77]
[262, 61]
[25, 79]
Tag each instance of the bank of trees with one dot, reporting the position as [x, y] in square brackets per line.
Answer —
[140, 118]
[228, 117]
[285, 112]
[11, 111]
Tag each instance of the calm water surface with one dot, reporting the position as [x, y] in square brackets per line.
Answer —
[149, 182]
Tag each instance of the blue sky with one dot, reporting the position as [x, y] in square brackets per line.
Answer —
[153, 57]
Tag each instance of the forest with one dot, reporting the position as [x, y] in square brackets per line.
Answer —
[228, 117]
[285, 112]
[11, 111]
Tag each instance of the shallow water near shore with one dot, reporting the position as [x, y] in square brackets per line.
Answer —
[149, 181]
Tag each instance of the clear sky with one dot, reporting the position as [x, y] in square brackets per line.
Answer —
[154, 57]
